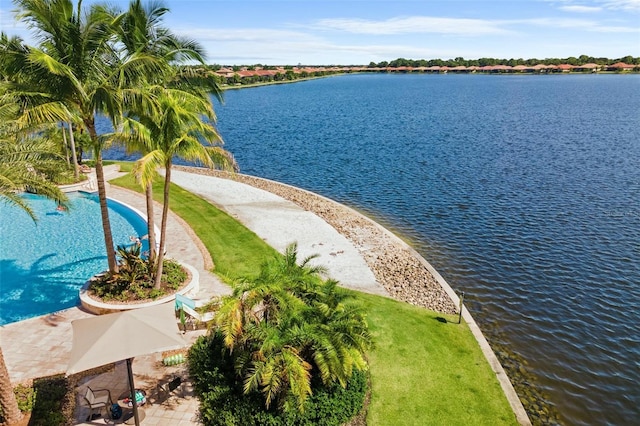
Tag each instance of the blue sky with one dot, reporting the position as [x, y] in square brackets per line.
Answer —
[357, 32]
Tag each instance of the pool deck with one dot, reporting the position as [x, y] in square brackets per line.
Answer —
[40, 347]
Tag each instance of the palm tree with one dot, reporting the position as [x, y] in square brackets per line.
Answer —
[75, 73]
[287, 325]
[141, 30]
[181, 127]
[27, 164]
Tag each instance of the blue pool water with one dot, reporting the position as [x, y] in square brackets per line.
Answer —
[44, 264]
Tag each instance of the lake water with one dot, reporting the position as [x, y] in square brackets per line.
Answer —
[522, 191]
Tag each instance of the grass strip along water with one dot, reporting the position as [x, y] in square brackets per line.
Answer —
[425, 368]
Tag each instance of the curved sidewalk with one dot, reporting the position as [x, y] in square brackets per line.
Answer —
[280, 222]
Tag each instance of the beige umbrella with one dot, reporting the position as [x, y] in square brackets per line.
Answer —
[109, 338]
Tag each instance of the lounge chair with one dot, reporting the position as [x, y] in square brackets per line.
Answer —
[188, 307]
[97, 400]
[184, 300]
[197, 316]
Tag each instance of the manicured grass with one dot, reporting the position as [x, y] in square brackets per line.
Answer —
[428, 370]
[236, 251]
[425, 369]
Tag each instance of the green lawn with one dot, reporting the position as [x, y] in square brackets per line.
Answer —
[425, 369]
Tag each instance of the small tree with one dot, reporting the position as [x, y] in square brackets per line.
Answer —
[178, 130]
[289, 325]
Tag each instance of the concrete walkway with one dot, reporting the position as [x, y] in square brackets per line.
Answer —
[280, 222]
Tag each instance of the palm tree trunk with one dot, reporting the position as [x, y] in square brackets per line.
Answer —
[66, 146]
[8, 402]
[76, 171]
[104, 212]
[151, 225]
[102, 196]
[163, 223]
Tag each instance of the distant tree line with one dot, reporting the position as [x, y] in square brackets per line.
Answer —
[459, 61]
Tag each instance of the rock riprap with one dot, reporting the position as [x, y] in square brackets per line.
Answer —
[397, 267]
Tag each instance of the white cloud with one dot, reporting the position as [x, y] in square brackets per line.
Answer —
[578, 24]
[580, 9]
[412, 25]
[632, 5]
[597, 5]
[260, 35]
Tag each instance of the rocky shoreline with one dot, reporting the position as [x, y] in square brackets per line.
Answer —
[394, 265]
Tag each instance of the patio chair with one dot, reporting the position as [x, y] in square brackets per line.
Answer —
[97, 400]
[188, 307]
[165, 389]
[196, 317]
[192, 303]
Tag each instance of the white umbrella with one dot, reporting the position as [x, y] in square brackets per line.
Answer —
[109, 338]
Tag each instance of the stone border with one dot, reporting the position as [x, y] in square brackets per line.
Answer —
[100, 308]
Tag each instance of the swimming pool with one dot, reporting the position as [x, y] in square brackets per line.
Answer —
[43, 265]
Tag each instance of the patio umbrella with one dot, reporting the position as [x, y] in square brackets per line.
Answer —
[124, 335]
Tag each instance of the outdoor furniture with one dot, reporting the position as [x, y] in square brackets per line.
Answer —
[196, 318]
[104, 339]
[188, 307]
[97, 400]
[125, 403]
[165, 389]
[184, 300]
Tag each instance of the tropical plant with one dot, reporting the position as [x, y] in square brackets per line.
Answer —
[288, 326]
[10, 412]
[76, 72]
[132, 268]
[27, 164]
[24, 165]
[181, 127]
[141, 30]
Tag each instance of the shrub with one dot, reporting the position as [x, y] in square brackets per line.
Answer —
[222, 401]
[25, 397]
[134, 282]
[50, 401]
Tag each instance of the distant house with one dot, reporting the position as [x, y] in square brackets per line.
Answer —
[522, 69]
[565, 67]
[620, 67]
[459, 68]
[588, 68]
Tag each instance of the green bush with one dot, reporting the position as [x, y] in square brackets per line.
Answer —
[222, 401]
[25, 396]
[173, 274]
[50, 401]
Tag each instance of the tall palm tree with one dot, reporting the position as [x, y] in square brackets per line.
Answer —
[75, 73]
[181, 128]
[10, 410]
[141, 30]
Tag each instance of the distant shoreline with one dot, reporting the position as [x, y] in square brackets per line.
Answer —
[512, 74]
